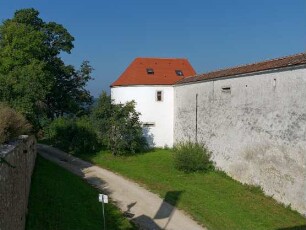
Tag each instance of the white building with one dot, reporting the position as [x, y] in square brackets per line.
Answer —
[149, 82]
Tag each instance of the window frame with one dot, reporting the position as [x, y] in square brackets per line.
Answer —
[148, 124]
[150, 71]
[177, 71]
[226, 89]
[161, 95]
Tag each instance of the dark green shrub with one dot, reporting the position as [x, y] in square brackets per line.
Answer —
[73, 135]
[118, 126]
[12, 124]
[191, 157]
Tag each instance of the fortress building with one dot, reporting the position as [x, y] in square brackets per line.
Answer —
[252, 117]
[149, 82]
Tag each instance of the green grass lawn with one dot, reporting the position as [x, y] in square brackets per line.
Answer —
[61, 200]
[213, 199]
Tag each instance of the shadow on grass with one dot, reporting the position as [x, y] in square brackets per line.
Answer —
[301, 227]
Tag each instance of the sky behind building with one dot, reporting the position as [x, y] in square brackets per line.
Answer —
[212, 34]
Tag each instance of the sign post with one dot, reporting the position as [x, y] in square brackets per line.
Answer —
[104, 200]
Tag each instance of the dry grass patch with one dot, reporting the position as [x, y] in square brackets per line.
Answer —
[12, 124]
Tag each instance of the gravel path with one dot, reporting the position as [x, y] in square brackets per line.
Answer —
[144, 208]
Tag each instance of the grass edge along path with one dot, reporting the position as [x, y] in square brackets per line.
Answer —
[213, 199]
[61, 200]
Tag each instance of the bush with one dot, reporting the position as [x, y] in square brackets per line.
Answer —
[73, 135]
[12, 124]
[191, 157]
[118, 126]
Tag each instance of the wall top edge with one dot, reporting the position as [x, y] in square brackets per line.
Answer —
[7, 148]
[244, 75]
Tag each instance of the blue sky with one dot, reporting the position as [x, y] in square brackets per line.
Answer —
[212, 34]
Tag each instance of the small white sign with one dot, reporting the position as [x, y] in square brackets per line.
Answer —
[103, 198]
[100, 197]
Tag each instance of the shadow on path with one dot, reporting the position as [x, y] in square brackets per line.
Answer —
[165, 211]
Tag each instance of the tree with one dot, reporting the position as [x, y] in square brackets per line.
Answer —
[33, 78]
[68, 95]
[118, 126]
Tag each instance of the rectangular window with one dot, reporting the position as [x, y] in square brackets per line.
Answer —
[150, 71]
[148, 124]
[159, 95]
[226, 89]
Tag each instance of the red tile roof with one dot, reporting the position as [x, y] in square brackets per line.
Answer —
[294, 60]
[164, 72]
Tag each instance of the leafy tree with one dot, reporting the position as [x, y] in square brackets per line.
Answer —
[68, 95]
[33, 78]
[118, 126]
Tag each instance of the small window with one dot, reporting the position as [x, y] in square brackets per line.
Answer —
[226, 89]
[148, 124]
[150, 71]
[159, 95]
[179, 72]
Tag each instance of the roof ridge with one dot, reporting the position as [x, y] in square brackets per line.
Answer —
[161, 58]
[249, 64]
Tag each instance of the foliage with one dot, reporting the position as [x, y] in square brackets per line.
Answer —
[118, 126]
[68, 202]
[33, 78]
[212, 199]
[74, 135]
[12, 124]
[68, 94]
[191, 157]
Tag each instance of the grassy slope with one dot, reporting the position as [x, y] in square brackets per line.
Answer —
[61, 200]
[213, 199]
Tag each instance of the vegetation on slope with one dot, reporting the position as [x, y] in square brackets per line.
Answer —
[12, 124]
[61, 200]
[213, 199]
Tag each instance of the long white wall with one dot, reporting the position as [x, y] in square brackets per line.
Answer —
[257, 132]
[158, 112]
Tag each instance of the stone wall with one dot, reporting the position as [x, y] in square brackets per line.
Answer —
[255, 125]
[15, 182]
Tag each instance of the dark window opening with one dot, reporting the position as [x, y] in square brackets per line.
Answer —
[179, 72]
[226, 89]
[148, 124]
[150, 71]
[159, 96]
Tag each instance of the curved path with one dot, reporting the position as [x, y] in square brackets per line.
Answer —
[144, 208]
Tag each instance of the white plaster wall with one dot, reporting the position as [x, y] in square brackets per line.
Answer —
[257, 133]
[159, 112]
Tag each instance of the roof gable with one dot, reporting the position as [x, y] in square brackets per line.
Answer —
[155, 71]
